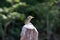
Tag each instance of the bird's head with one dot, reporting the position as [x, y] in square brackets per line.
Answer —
[30, 17]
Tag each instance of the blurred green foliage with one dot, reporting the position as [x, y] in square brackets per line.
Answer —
[46, 13]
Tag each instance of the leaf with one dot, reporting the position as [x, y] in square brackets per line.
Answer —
[1, 10]
[9, 1]
[6, 9]
[22, 17]
[4, 17]
[16, 0]
[14, 15]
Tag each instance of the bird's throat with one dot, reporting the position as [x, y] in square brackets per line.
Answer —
[27, 21]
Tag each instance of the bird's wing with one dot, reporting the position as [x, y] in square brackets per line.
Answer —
[23, 31]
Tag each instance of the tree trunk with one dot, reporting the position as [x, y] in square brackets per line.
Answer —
[5, 29]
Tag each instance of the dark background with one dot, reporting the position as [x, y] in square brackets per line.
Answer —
[14, 12]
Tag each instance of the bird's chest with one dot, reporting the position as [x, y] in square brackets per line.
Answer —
[29, 34]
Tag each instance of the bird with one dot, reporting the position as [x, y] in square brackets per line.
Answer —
[29, 32]
[28, 19]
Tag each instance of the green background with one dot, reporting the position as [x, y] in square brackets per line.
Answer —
[14, 12]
